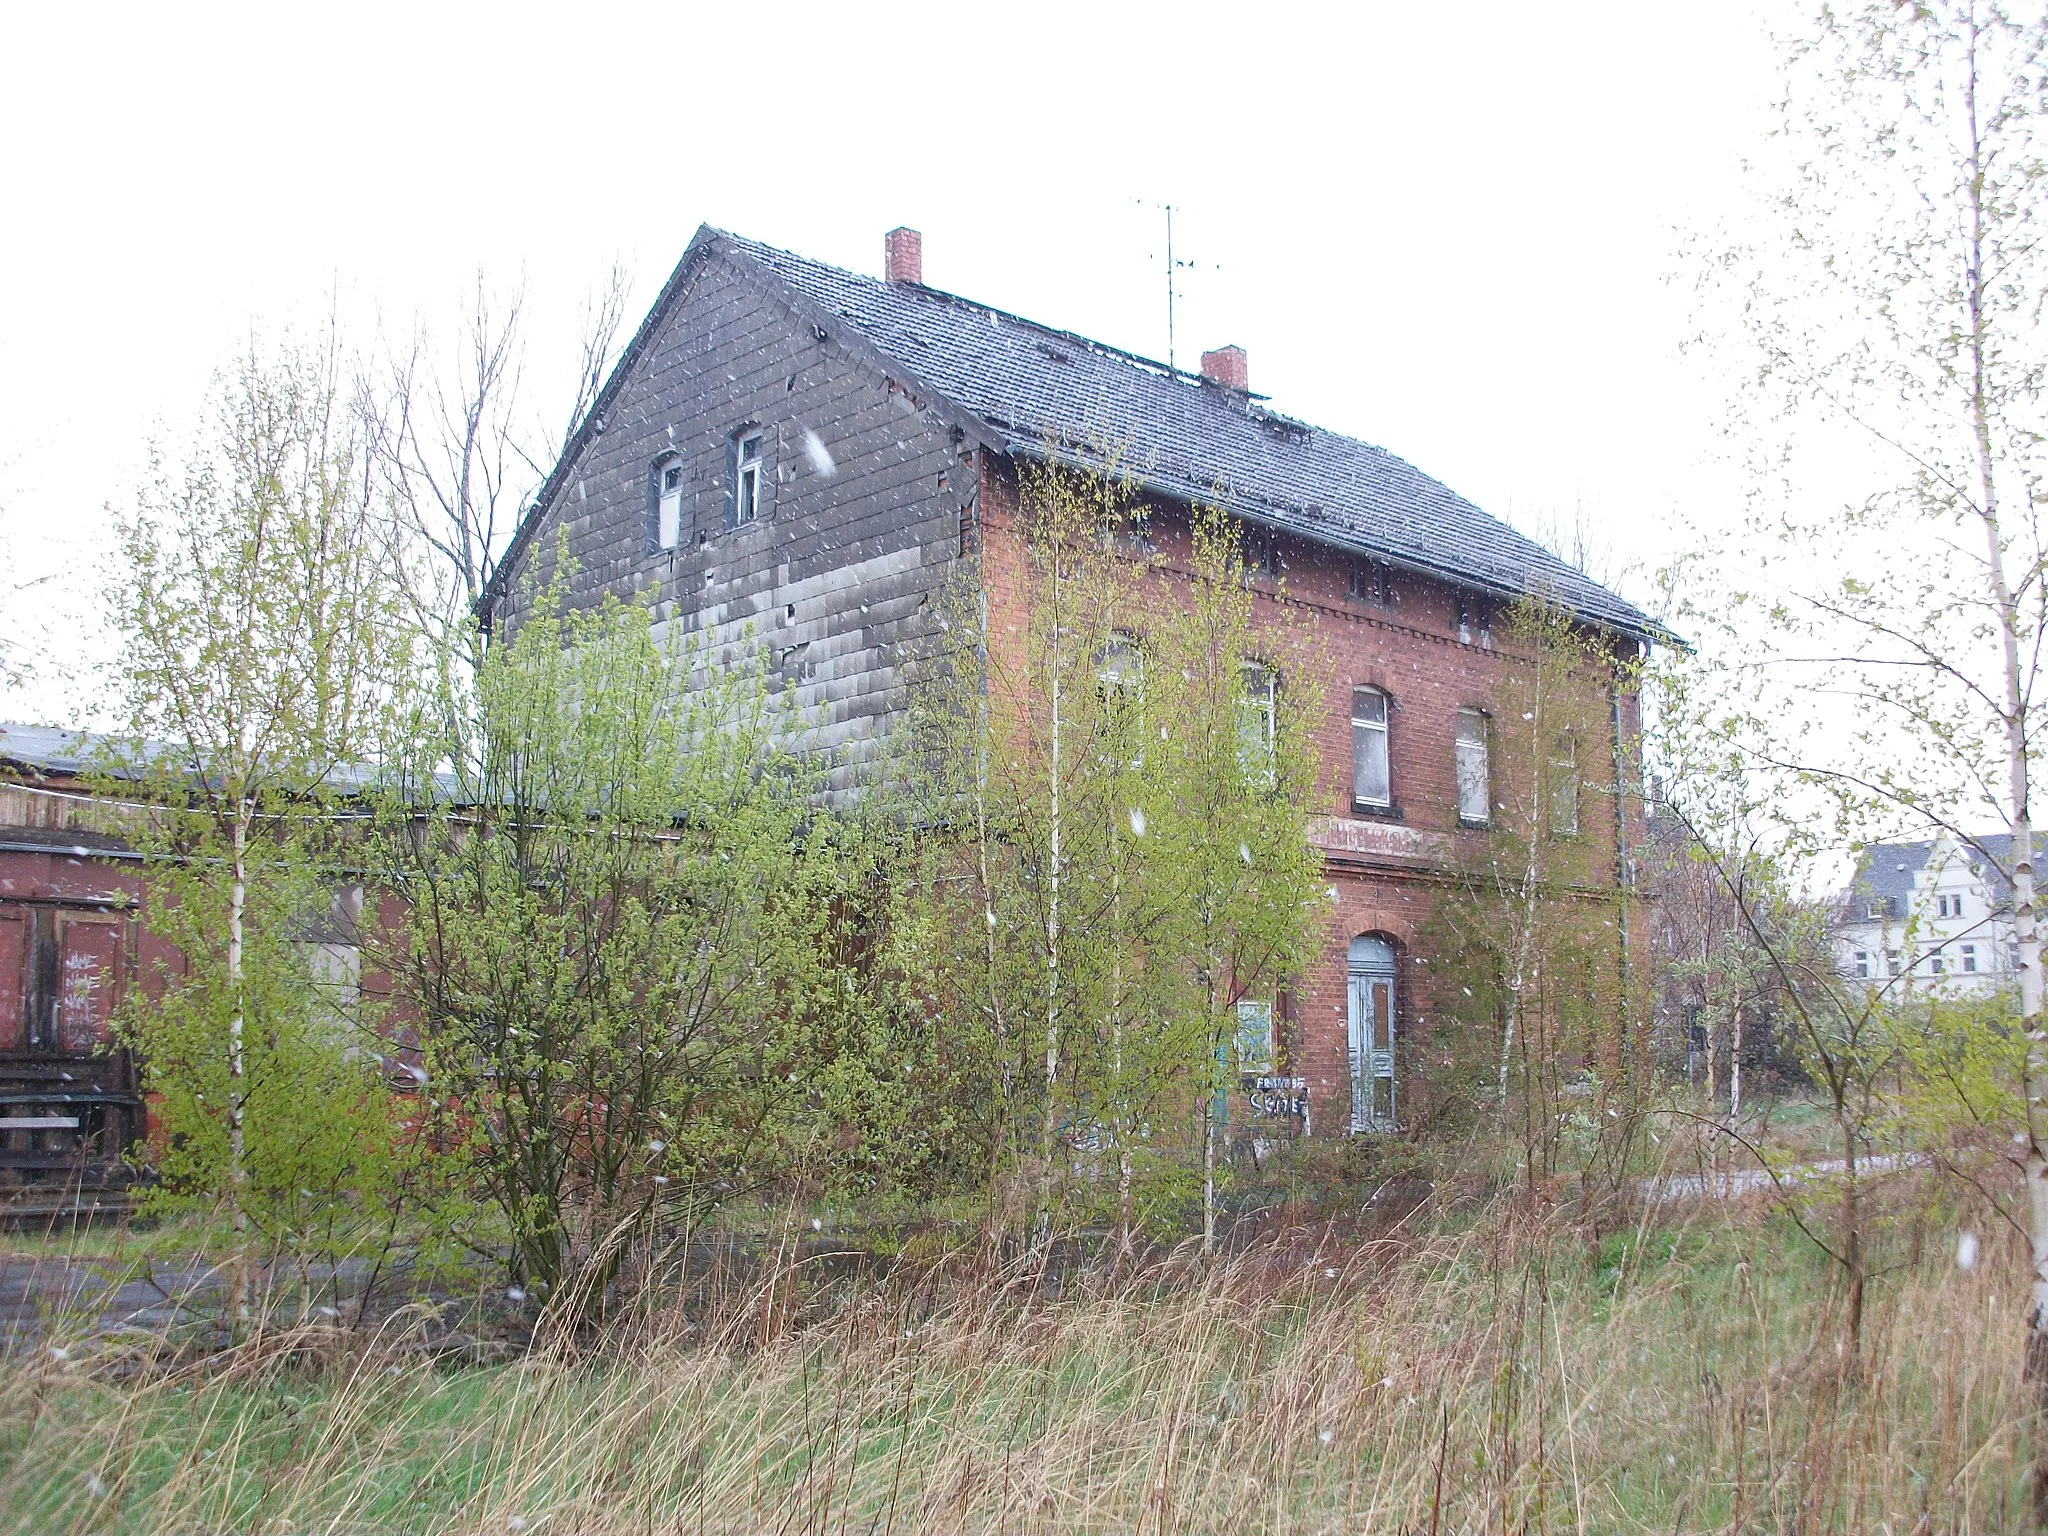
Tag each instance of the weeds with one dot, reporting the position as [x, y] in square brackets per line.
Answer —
[1497, 1371]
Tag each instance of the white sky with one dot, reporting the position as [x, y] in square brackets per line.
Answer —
[1447, 230]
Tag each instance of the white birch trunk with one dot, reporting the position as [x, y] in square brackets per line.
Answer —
[1052, 916]
[2019, 826]
[1735, 1060]
[238, 901]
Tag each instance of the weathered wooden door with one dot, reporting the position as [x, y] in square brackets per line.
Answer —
[1372, 1018]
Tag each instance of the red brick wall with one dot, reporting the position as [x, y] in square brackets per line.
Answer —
[1389, 873]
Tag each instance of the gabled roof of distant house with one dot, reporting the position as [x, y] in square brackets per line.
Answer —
[1888, 870]
[1026, 389]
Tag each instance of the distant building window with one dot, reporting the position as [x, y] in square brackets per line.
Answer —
[1935, 965]
[1891, 962]
[1863, 963]
[1120, 668]
[1372, 785]
[1120, 681]
[1970, 957]
[746, 479]
[1475, 783]
[668, 506]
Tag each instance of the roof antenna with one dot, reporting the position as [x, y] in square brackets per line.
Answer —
[1173, 267]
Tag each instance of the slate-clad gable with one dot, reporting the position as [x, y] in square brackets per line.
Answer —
[837, 573]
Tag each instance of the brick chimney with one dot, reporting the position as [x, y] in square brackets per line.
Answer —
[1226, 366]
[903, 256]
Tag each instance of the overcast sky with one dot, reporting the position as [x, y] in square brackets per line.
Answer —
[1448, 230]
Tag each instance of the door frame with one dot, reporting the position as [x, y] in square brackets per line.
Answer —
[1372, 998]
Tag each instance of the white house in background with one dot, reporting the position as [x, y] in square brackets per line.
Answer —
[1933, 914]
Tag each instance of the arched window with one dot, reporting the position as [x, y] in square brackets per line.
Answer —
[1372, 783]
[1371, 1017]
[1120, 686]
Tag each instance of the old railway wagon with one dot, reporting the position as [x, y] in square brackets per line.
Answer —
[71, 944]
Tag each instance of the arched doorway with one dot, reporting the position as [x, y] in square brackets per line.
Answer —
[1372, 1016]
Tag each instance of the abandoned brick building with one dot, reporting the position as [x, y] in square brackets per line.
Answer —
[814, 452]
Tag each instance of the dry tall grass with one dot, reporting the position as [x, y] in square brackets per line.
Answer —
[1496, 1374]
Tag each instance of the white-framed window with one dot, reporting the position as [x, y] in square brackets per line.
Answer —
[1970, 958]
[1891, 962]
[1936, 965]
[1475, 778]
[1564, 788]
[1372, 781]
[1863, 963]
[668, 505]
[1257, 721]
[1120, 668]
[746, 478]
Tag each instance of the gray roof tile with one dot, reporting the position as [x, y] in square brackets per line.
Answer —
[1029, 389]
[1185, 435]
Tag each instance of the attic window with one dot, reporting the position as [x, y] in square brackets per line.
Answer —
[1261, 548]
[746, 477]
[1371, 583]
[668, 516]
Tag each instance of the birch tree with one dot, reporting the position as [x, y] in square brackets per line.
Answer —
[1237, 781]
[1535, 934]
[1882, 656]
[262, 639]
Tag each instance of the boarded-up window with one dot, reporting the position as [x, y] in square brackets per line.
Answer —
[14, 953]
[89, 970]
[61, 973]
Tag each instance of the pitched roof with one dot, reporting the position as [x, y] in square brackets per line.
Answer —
[1028, 388]
[1889, 869]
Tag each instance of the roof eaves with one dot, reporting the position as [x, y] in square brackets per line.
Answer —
[1290, 519]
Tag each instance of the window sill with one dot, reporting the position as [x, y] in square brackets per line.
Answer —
[1388, 812]
[1467, 824]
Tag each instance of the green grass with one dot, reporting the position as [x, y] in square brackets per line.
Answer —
[1496, 1371]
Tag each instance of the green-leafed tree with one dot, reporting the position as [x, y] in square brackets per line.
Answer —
[1234, 784]
[261, 648]
[1122, 785]
[637, 956]
[1533, 940]
[1874, 665]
